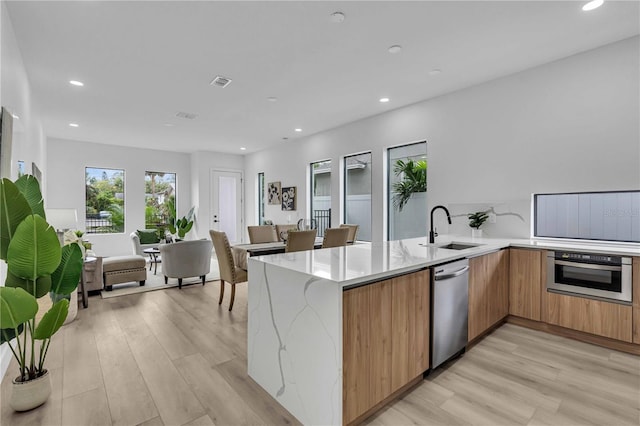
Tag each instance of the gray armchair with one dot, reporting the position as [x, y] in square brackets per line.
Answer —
[186, 259]
[137, 247]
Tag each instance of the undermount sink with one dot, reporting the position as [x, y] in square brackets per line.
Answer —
[458, 246]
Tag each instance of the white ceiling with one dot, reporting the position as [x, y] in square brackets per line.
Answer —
[142, 62]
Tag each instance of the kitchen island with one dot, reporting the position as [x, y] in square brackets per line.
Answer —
[300, 305]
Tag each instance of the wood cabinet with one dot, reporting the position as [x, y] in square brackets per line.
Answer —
[385, 340]
[488, 291]
[526, 274]
[597, 317]
[636, 300]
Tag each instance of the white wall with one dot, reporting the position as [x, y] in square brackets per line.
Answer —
[570, 125]
[29, 144]
[66, 183]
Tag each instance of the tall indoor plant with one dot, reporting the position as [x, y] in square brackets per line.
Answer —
[414, 179]
[36, 265]
[180, 227]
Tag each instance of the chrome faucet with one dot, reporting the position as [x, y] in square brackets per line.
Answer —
[432, 234]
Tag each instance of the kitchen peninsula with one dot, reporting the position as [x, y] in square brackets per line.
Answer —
[307, 343]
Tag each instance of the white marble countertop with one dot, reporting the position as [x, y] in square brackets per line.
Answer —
[371, 262]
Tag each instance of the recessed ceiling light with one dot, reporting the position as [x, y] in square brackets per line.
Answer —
[242, 148]
[383, 100]
[298, 130]
[76, 83]
[74, 125]
[396, 48]
[272, 99]
[337, 17]
[169, 124]
[17, 117]
[593, 4]
[435, 72]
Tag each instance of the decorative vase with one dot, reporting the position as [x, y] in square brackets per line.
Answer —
[30, 394]
[476, 233]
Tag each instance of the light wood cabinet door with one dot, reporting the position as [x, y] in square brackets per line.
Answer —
[385, 340]
[606, 319]
[410, 307]
[525, 282]
[636, 300]
[488, 291]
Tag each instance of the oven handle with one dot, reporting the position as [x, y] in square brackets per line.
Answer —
[589, 266]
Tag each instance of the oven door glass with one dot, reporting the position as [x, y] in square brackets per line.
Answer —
[581, 275]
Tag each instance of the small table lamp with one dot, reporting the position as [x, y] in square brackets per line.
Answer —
[62, 220]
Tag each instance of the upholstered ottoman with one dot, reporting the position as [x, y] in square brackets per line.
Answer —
[123, 269]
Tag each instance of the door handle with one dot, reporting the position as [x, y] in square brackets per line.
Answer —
[455, 274]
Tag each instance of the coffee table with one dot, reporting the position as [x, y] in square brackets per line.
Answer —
[154, 258]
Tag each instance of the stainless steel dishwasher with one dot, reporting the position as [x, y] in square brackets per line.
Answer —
[450, 303]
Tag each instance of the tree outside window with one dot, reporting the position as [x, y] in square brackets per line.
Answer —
[160, 200]
[104, 200]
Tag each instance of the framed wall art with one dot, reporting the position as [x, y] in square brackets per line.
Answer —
[289, 198]
[273, 193]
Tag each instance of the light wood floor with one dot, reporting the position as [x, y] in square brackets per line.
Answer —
[173, 357]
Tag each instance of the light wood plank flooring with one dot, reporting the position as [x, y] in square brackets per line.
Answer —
[174, 357]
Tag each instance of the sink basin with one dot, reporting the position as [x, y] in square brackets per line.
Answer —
[458, 246]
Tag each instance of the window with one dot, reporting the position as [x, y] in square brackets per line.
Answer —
[407, 191]
[261, 198]
[159, 200]
[321, 195]
[357, 193]
[104, 200]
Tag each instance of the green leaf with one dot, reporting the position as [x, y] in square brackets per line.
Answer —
[65, 278]
[34, 250]
[8, 334]
[13, 209]
[42, 287]
[52, 320]
[30, 188]
[16, 307]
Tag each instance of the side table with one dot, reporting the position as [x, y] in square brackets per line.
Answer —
[154, 258]
[88, 268]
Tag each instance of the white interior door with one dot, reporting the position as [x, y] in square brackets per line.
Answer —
[226, 204]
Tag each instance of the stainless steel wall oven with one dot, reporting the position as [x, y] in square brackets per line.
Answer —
[592, 275]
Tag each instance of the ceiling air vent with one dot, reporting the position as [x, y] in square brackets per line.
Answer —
[186, 115]
[220, 81]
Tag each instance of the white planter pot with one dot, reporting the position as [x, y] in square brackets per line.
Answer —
[28, 395]
[73, 308]
[476, 233]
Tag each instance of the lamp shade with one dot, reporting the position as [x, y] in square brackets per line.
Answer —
[63, 218]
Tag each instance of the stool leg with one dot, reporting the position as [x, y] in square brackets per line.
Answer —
[179, 283]
[142, 283]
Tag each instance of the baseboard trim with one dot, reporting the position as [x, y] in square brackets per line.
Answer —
[606, 342]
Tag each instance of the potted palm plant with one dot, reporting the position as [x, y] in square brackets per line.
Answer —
[36, 266]
[475, 222]
[414, 179]
[180, 227]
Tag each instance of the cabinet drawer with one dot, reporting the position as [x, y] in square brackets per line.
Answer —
[606, 319]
